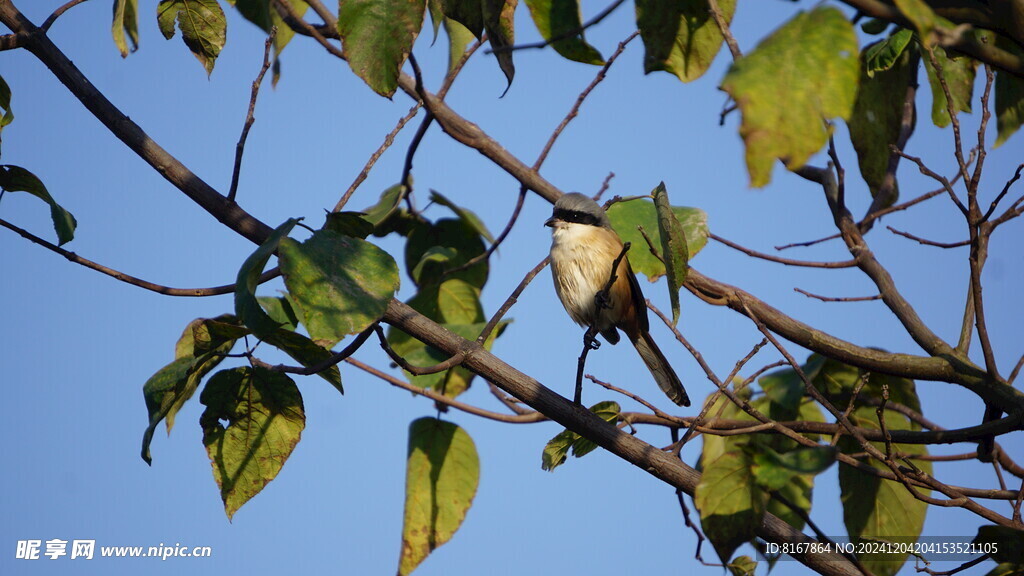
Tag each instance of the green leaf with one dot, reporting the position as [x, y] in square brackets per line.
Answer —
[306, 352]
[126, 25]
[260, 13]
[442, 475]
[202, 24]
[884, 54]
[837, 382]
[742, 566]
[1009, 543]
[874, 26]
[959, 74]
[773, 470]
[627, 216]
[352, 224]
[1009, 97]
[561, 19]
[210, 334]
[785, 390]
[680, 36]
[458, 38]
[340, 285]
[469, 13]
[17, 179]
[557, 449]
[167, 391]
[498, 18]
[434, 261]
[798, 493]
[385, 206]
[1007, 569]
[448, 233]
[280, 311]
[265, 419]
[877, 509]
[467, 216]
[436, 17]
[673, 247]
[731, 504]
[878, 115]
[459, 302]
[377, 36]
[419, 354]
[811, 65]
[5, 104]
[919, 14]
[247, 307]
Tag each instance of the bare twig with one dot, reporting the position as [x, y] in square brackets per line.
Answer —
[128, 279]
[333, 360]
[604, 186]
[723, 26]
[838, 299]
[927, 242]
[579, 99]
[564, 36]
[388, 141]
[1002, 193]
[451, 362]
[527, 418]
[512, 299]
[249, 118]
[486, 255]
[786, 261]
[452, 74]
[45, 27]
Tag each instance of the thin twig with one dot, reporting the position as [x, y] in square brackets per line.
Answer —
[579, 99]
[45, 27]
[958, 149]
[453, 361]
[927, 242]
[838, 299]
[1002, 193]
[512, 299]
[654, 409]
[129, 279]
[786, 261]
[249, 118]
[388, 141]
[293, 19]
[333, 360]
[564, 36]
[604, 186]
[447, 401]
[452, 74]
[723, 26]
[486, 255]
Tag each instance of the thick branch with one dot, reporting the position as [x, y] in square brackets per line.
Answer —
[578, 419]
[36, 42]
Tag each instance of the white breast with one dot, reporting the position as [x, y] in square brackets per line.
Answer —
[581, 259]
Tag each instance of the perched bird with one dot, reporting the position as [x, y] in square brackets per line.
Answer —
[583, 248]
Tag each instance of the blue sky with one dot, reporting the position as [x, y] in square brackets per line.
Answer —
[77, 346]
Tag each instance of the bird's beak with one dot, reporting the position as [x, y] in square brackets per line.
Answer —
[550, 222]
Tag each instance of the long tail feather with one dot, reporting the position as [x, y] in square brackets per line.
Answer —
[661, 369]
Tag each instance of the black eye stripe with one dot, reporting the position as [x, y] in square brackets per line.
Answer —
[577, 217]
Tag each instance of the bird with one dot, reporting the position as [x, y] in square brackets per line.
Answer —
[584, 246]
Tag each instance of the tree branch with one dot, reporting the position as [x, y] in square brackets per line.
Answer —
[580, 420]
